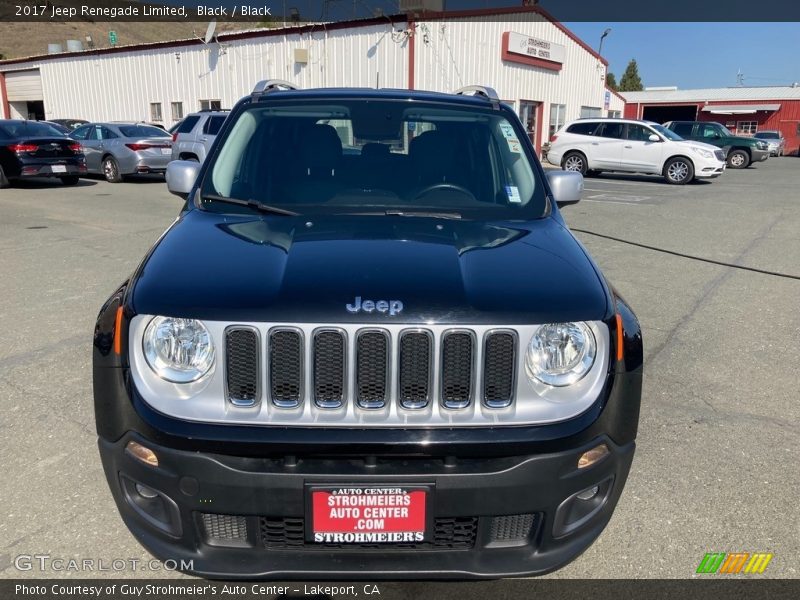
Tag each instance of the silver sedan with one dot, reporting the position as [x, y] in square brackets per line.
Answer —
[115, 150]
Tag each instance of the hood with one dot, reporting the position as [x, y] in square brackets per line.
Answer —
[702, 145]
[307, 269]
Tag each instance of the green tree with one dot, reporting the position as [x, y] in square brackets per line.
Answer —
[611, 81]
[631, 82]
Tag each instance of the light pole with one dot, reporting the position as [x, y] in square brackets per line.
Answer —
[602, 37]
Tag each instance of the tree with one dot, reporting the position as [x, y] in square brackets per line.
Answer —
[611, 81]
[631, 82]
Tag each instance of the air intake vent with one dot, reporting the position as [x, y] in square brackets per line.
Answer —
[242, 366]
[416, 352]
[512, 528]
[224, 530]
[329, 368]
[457, 367]
[372, 368]
[286, 367]
[499, 368]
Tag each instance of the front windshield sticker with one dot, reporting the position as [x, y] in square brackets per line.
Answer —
[507, 130]
[513, 145]
[512, 192]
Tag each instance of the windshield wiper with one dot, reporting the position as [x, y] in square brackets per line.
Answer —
[254, 204]
[423, 213]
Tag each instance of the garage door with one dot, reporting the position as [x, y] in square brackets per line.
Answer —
[24, 85]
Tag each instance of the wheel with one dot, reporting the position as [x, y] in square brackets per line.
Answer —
[678, 170]
[70, 180]
[111, 170]
[575, 161]
[738, 159]
[4, 183]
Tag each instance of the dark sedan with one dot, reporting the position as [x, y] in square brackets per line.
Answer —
[33, 149]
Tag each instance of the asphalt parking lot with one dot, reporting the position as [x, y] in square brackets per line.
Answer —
[716, 468]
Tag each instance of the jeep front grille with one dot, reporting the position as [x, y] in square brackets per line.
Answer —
[241, 365]
[372, 368]
[285, 347]
[500, 357]
[415, 369]
[329, 368]
[458, 354]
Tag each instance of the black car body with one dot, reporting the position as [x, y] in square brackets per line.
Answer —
[367, 357]
[34, 149]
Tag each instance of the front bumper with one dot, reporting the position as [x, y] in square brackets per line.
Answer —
[709, 169]
[757, 155]
[472, 506]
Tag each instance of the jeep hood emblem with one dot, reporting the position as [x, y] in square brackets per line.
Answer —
[393, 307]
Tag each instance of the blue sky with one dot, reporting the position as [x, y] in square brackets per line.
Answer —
[697, 55]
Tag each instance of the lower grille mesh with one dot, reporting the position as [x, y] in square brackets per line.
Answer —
[448, 533]
[510, 528]
[224, 530]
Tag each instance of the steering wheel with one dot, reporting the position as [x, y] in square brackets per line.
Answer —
[444, 186]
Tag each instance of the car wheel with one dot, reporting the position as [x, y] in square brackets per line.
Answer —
[4, 183]
[71, 180]
[738, 159]
[575, 161]
[678, 170]
[111, 170]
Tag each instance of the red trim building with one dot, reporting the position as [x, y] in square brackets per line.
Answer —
[743, 110]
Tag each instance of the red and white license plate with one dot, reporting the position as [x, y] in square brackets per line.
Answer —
[368, 515]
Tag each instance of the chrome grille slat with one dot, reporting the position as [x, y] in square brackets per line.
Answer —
[330, 368]
[286, 367]
[242, 365]
[372, 368]
[457, 368]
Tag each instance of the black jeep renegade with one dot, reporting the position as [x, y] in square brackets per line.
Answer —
[368, 347]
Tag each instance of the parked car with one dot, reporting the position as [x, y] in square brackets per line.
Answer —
[776, 143]
[58, 127]
[395, 362]
[35, 149]
[115, 150]
[740, 151]
[193, 139]
[591, 146]
[174, 128]
[71, 124]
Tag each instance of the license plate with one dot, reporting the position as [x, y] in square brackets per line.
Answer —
[368, 515]
[58, 169]
[166, 151]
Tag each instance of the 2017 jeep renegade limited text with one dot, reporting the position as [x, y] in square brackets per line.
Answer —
[368, 347]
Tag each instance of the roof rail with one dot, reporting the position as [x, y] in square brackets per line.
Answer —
[268, 85]
[479, 90]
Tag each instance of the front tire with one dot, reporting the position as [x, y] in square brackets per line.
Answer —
[678, 171]
[738, 159]
[111, 170]
[575, 161]
[70, 180]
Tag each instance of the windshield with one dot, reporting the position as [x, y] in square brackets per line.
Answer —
[377, 156]
[667, 133]
[15, 129]
[767, 135]
[142, 131]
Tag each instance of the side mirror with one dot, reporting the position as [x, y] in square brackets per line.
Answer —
[654, 138]
[181, 176]
[566, 186]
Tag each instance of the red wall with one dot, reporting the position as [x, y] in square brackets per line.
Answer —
[786, 119]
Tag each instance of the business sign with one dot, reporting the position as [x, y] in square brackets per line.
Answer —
[607, 102]
[532, 47]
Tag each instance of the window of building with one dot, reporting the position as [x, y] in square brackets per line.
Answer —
[177, 111]
[210, 104]
[615, 114]
[557, 112]
[590, 111]
[155, 111]
[746, 127]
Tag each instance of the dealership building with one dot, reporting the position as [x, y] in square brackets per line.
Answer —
[743, 110]
[536, 65]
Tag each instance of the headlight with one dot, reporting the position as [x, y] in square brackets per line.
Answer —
[178, 350]
[560, 354]
[703, 152]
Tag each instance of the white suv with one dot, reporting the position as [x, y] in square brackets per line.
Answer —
[593, 145]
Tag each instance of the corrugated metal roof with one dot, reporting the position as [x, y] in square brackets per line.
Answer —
[785, 92]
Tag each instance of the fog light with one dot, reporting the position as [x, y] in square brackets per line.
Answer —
[146, 492]
[142, 454]
[586, 494]
[592, 456]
